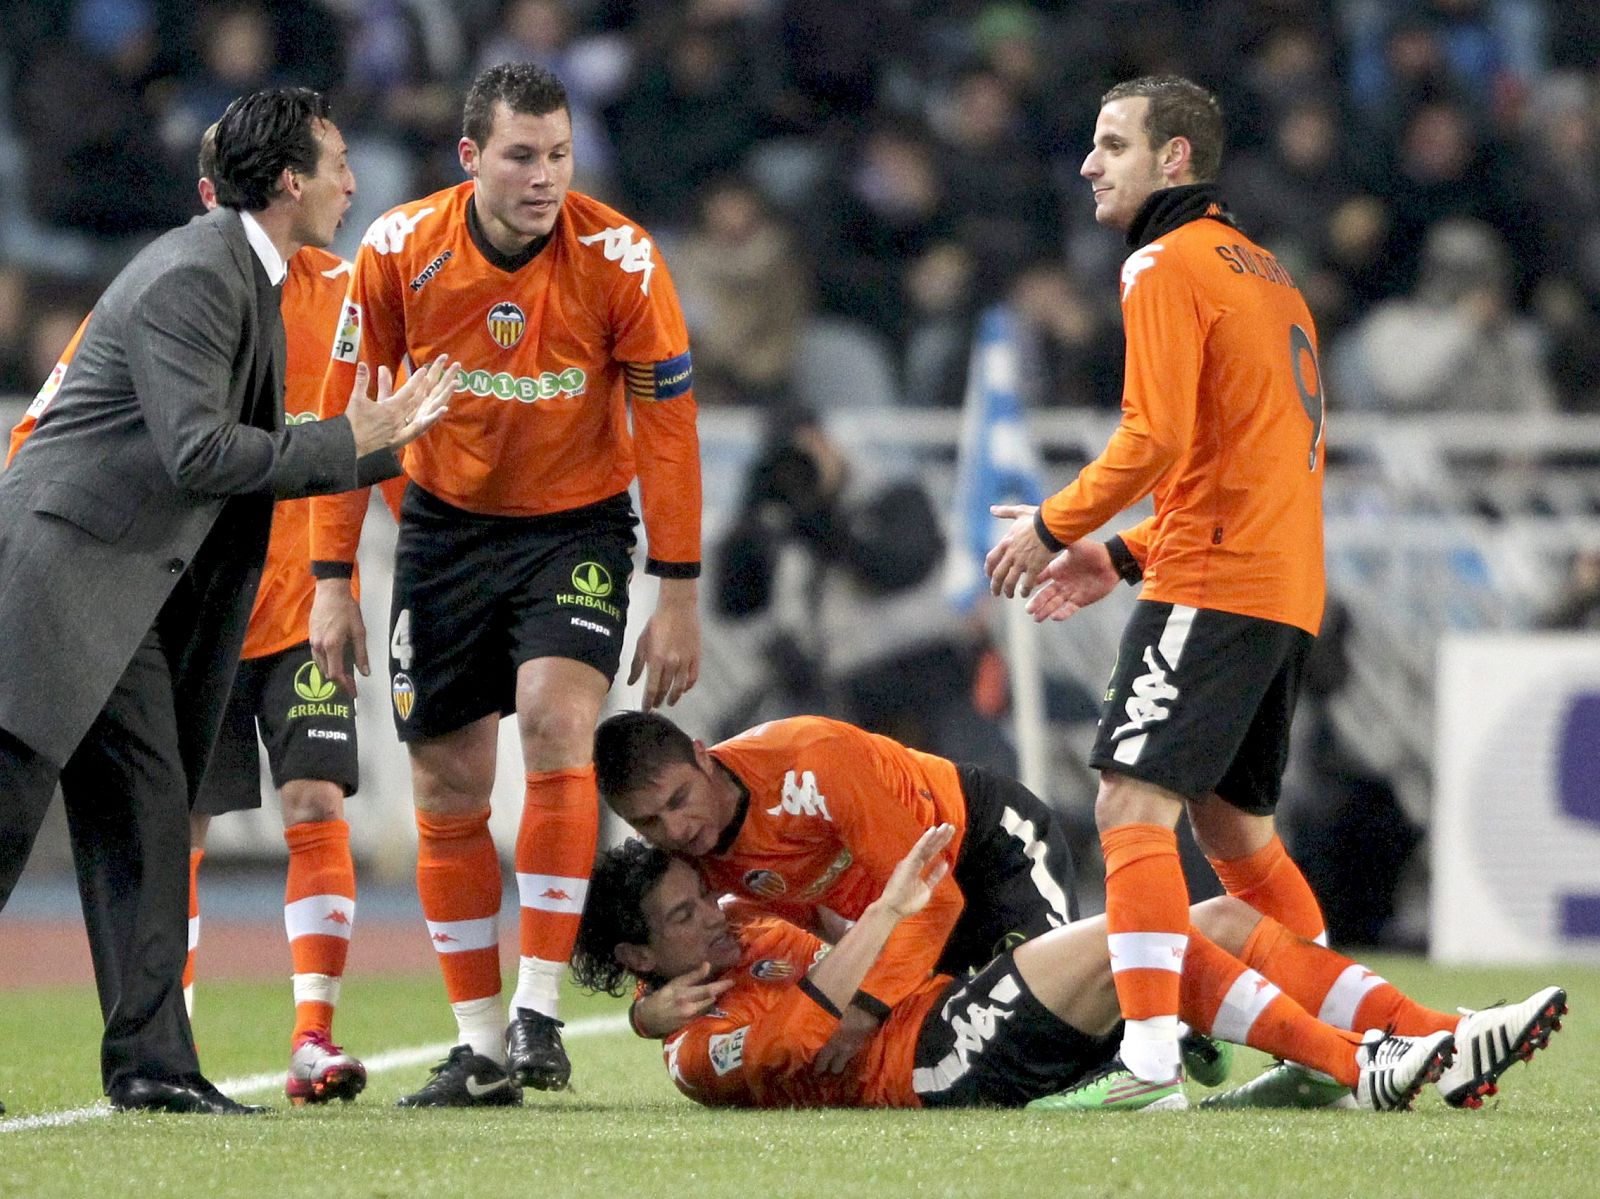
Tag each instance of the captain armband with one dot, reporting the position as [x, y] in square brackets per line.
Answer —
[652, 381]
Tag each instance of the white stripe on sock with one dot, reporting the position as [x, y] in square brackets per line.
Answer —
[460, 936]
[1147, 951]
[552, 892]
[321, 915]
[1345, 996]
[1244, 1002]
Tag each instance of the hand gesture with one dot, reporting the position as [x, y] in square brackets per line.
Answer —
[1075, 578]
[1015, 563]
[668, 1008]
[911, 884]
[338, 634]
[398, 417]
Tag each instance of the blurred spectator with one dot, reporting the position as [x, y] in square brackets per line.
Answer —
[52, 330]
[14, 376]
[745, 297]
[1455, 345]
[998, 190]
[847, 570]
[1075, 345]
[1286, 193]
[1572, 327]
[938, 337]
[1578, 605]
[877, 216]
[95, 162]
[687, 114]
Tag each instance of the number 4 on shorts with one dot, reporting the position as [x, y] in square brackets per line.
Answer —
[400, 639]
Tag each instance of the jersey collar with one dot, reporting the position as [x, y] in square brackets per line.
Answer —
[505, 262]
[1165, 210]
[736, 825]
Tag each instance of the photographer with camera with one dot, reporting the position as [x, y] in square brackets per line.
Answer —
[848, 570]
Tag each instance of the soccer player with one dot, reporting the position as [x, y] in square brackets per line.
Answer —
[1027, 1024]
[806, 819]
[1223, 421]
[308, 729]
[515, 543]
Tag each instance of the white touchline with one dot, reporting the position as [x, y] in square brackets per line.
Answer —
[395, 1059]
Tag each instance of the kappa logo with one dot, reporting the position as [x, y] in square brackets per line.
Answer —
[405, 695]
[767, 883]
[444, 938]
[801, 798]
[388, 233]
[620, 247]
[311, 685]
[1151, 691]
[333, 272]
[770, 970]
[337, 917]
[555, 893]
[347, 342]
[592, 579]
[432, 269]
[976, 1027]
[670, 1049]
[1138, 262]
[506, 324]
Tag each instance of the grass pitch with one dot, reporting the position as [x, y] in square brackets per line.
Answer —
[623, 1130]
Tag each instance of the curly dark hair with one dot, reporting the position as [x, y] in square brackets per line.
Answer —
[523, 87]
[631, 748]
[1179, 107]
[614, 914]
[259, 136]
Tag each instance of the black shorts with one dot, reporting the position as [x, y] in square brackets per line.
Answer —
[1201, 701]
[1015, 871]
[476, 596]
[306, 723]
[990, 1043]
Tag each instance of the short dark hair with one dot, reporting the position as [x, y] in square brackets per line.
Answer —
[206, 160]
[523, 87]
[613, 914]
[1179, 108]
[631, 748]
[259, 136]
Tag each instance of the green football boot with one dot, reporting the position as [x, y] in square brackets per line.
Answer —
[1285, 1084]
[1206, 1061]
[1115, 1088]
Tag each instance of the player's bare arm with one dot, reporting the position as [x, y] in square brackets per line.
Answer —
[1016, 562]
[668, 654]
[907, 892]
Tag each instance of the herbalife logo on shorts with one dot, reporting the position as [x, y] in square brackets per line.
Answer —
[591, 585]
[320, 695]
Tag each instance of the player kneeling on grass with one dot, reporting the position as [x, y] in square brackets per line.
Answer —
[1034, 1027]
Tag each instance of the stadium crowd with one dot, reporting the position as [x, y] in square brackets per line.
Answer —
[860, 178]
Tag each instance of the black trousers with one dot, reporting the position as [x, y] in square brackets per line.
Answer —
[128, 815]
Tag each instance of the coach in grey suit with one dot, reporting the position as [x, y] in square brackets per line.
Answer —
[133, 527]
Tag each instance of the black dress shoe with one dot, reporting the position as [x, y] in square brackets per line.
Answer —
[191, 1096]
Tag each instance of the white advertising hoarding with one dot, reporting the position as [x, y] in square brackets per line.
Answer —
[1516, 815]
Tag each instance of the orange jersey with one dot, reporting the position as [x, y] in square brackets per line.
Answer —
[312, 294]
[755, 1048]
[1222, 419]
[832, 810]
[550, 352]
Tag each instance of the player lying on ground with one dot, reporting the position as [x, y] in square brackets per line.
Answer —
[805, 819]
[1035, 1020]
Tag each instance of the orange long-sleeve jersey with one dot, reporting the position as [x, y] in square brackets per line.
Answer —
[832, 810]
[312, 295]
[550, 351]
[1222, 419]
[755, 1048]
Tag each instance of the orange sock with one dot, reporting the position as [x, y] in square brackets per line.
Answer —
[1147, 928]
[555, 853]
[1341, 992]
[195, 856]
[1224, 997]
[1270, 882]
[458, 881]
[319, 912]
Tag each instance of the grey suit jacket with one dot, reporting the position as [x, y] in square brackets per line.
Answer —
[160, 455]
